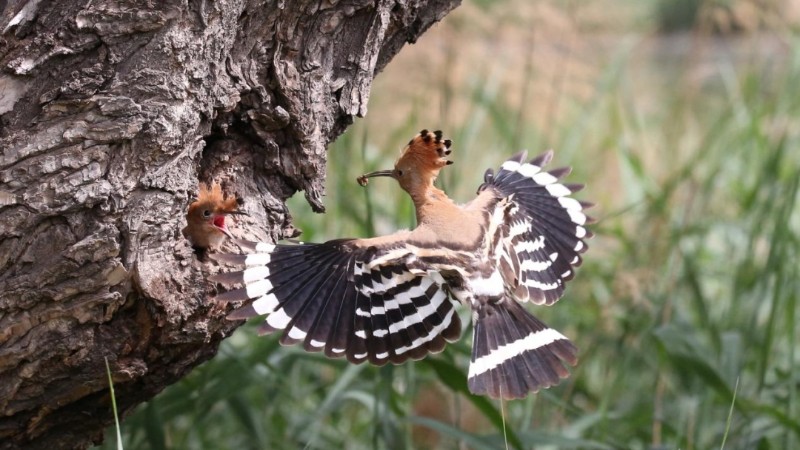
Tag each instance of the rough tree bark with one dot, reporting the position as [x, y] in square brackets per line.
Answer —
[110, 114]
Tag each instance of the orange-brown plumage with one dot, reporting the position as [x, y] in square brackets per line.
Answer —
[391, 298]
[205, 219]
[438, 217]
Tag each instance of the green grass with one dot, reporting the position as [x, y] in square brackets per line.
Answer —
[685, 310]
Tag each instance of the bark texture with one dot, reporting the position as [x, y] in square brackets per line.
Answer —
[110, 114]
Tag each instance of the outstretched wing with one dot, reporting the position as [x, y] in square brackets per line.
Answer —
[540, 227]
[344, 297]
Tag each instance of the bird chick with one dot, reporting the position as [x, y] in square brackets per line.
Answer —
[392, 298]
[206, 226]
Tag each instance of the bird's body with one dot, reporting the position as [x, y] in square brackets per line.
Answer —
[391, 298]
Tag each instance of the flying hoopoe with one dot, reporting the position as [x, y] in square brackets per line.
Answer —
[205, 220]
[392, 298]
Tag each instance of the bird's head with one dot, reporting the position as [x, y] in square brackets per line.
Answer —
[207, 213]
[419, 164]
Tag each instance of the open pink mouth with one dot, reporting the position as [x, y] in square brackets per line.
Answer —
[219, 222]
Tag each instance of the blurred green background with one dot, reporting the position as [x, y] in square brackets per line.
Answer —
[683, 119]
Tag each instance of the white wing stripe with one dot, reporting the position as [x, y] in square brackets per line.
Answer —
[258, 288]
[535, 266]
[436, 331]
[530, 246]
[529, 170]
[544, 178]
[297, 333]
[578, 218]
[511, 166]
[505, 352]
[263, 247]
[266, 304]
[279, 319]
[557, 190]
[257, 259]
[542, 286]
[570, 204]
[255, 274]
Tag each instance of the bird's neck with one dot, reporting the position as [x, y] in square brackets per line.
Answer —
[430, 203]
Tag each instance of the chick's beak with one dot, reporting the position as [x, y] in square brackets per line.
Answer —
[218, 221]
[362, 180]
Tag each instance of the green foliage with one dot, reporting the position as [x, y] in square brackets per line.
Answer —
[685, 310]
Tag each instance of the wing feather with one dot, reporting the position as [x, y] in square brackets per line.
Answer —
[343, 297]
[546, 227]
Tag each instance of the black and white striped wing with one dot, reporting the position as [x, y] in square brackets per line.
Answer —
[364, 303]
[543, 227]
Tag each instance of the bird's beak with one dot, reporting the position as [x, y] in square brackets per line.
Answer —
[219, 221]
[362, 180]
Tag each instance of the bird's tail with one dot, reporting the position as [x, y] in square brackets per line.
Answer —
[514, 353]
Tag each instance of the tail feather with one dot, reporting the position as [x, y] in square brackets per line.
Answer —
[514, 353]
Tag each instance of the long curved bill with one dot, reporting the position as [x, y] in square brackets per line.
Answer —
[362, 180]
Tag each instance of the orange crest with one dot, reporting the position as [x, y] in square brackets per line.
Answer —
[426, 152]
[212, 195]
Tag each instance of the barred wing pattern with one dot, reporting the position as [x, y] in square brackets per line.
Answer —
[543, 228]
[365, 303]
[537, 238]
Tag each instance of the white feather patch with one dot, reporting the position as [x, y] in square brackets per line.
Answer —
[491, 287]
[557, 190]
[258, 288]
[255, 273]
[508, 351]
[535, 266]
[577, 218]
[570, 204]
[279, 319]
[266, 304]
[529, 170]
[297, 333]
[518, 228]
[544, 178]
[257, 259]
[511, 166]
[542, 286]
[263, 247]
[530, 246]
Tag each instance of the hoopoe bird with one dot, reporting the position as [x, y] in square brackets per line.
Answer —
[392, 298]
[205, 219]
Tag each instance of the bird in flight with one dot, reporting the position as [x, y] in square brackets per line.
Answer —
[392, 298]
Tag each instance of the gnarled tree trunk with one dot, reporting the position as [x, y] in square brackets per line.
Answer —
[110, 114]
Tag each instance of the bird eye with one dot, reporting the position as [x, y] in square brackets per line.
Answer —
[206, 213]
[399, 173]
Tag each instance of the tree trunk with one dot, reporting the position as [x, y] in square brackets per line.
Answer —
[111, 112]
